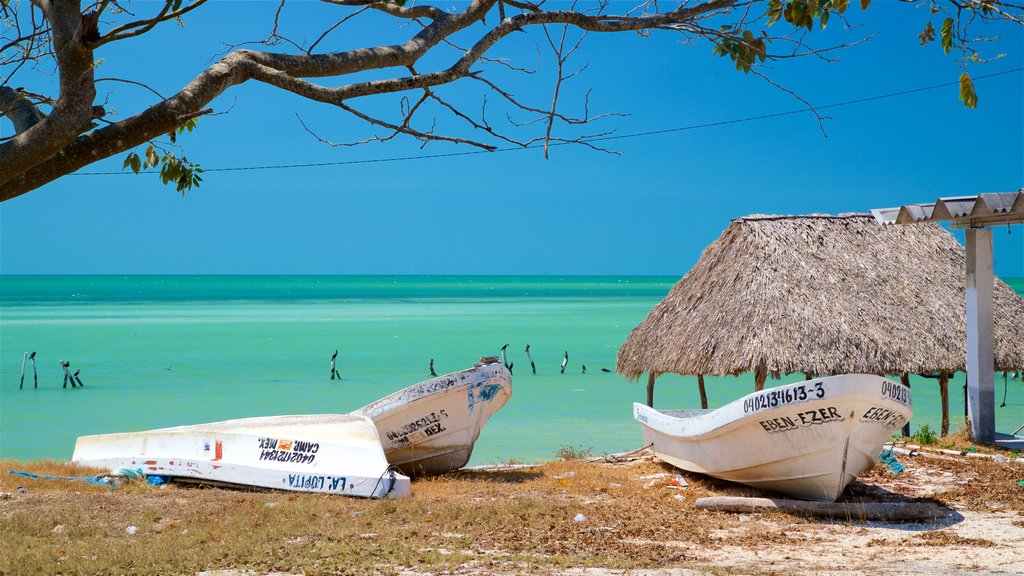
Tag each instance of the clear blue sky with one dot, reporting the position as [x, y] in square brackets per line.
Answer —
[651, 210]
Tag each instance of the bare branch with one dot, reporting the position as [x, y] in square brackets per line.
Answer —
[142, 26]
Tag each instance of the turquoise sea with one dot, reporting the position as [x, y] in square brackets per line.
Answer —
[159, 351]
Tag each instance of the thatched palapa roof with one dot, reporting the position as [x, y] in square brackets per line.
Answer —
[821, 295]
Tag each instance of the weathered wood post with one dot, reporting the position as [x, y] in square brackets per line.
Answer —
[703, 392]
[944, 394]
[23, 360]
[651, 377]
[905, 379]
[760, 375]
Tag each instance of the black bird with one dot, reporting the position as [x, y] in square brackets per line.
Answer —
[35, 377]
[79, 380]
[605, 370]
[432, 373]
[584, 369]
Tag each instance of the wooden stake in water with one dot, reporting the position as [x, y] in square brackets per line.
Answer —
[23, 360]
[77, 379]
[334, 369]
[564, 362]
[530, 358]
[35, 377]
[66, 375]
[504, 362]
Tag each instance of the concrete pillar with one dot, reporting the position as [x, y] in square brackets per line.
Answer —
[980, 348]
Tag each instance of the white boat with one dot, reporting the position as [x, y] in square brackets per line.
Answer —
[330, 453]
[807, 440]
[431, 427]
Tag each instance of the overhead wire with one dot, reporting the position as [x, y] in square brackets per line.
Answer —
[595, 139]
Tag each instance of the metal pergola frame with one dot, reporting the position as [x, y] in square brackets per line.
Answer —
[975, 215]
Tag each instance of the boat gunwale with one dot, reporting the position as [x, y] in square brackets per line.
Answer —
[705, 421]
[414, 394]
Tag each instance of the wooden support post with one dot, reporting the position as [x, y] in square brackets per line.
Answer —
[980, 347]
[905, 379]
[651, 377]
[944, 395]
[759, 378]
[703, 392]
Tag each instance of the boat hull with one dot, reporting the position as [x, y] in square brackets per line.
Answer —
[431, 427]
[328, 453]
[807, 440]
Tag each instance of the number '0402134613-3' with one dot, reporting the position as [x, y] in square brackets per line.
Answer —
[782, 396]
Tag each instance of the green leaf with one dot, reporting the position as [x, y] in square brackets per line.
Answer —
[841, 5]
[967, 94]
[947, 35]
[189, 125]
[136, 163]
[774, 11]
[152, 158]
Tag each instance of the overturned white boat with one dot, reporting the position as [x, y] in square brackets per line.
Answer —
[431, 427]
[807, 440]
[331, 453]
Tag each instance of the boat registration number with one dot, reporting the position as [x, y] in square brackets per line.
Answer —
[782, 396]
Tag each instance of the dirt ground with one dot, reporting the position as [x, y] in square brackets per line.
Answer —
[617, 515]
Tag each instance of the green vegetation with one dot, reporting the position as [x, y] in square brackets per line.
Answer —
[925, 436]
[567, 452]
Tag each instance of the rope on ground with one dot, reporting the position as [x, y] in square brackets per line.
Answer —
[101, 480]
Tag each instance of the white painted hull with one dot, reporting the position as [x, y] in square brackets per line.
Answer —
[329, 453]
[431, 427]
[808, 439]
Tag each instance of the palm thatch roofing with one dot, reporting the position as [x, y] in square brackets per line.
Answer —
[821, 295]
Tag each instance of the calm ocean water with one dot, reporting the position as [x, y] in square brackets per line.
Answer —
[160, 351]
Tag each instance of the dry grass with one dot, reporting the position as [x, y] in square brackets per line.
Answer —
[475, 522]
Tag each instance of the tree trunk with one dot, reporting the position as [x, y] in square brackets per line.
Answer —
[905, 379]
[944, 394]
[651, 376]
[703, 393]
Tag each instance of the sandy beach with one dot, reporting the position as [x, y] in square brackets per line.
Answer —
[577, 516]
